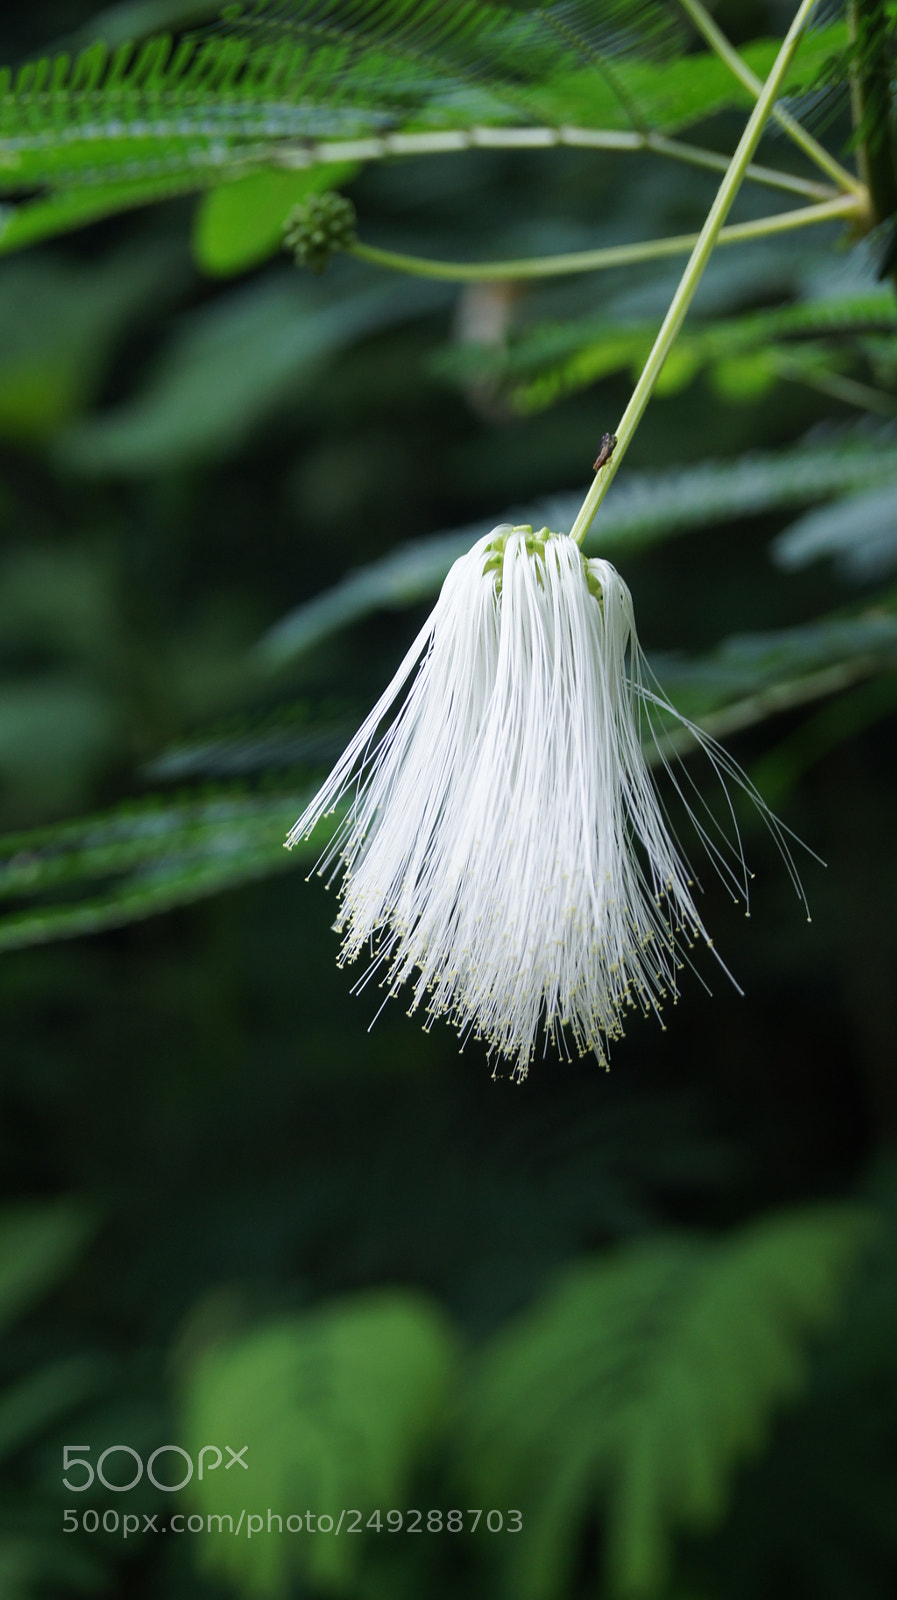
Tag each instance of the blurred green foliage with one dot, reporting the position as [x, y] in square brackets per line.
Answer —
[653, 1312]
[336, 1403]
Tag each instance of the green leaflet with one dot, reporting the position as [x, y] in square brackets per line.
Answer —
[334, 1405]
[103, 871]
[547, 363]
[771, 662]
[230, 364]
[240, 224]
[644, 509]
[75, 207]
[113, 128]
[860, 532]
[848, 663]
[637, 1385]
[38, 1243]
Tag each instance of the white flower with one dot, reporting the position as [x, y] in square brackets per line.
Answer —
[504, 852]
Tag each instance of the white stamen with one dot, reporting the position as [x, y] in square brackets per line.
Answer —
[505, 853]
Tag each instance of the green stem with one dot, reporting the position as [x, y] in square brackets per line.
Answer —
[714, 161]
[845, 207]
[746, 713]
[694, 271]
[804, 140]
[380, 147]
[834, 384]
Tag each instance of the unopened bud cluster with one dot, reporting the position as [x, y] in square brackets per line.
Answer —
[321, 225]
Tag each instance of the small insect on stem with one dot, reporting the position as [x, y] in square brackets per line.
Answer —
[608, 446]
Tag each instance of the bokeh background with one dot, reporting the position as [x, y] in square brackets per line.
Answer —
[653, 1310]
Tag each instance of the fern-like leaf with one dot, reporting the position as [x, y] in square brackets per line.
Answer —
[334, 1406]
[636, 1388]
[643, 510]
[319, 81]
[103, 871]
[547, 363]
[860, 532]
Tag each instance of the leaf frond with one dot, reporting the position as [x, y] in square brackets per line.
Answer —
[141, 859]
[644, 510]
[643, 1380]
[92, 133]
[546, 363]
[333, 1404]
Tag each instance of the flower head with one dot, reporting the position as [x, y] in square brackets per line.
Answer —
[504, 852]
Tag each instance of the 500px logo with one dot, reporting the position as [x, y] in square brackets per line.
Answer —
[71, 1460]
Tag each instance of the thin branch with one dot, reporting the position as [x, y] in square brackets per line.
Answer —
[768, 702]
[804, 140]
[716, 162]
[694, 271]
[838, 387]
[844, 208]
[380, 146]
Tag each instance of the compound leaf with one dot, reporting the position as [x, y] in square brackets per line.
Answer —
[635, 1389]
[335, 1405]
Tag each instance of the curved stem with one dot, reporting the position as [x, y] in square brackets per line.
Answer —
[445, 142]
[695, 269]
[804, 140]
[845, 207]
[852, 393]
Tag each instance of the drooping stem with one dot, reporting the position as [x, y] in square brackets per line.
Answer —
[694, 271]
[740, 69]
[844, 207]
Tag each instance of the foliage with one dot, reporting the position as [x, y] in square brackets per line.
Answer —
[113, 128]
[631, 1390]
[858, 531]
[645, 510]
[653, 1309]
[334, 1405]
[641, 1381]
[137, 861]
[38, 1245]
[743, 354]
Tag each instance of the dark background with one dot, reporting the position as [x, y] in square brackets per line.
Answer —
[197, 1093]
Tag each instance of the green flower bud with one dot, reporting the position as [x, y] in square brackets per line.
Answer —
[320, 225]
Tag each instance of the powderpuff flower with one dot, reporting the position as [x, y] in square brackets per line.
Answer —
[503, 850]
